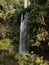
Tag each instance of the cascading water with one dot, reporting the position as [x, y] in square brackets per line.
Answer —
[23, 47]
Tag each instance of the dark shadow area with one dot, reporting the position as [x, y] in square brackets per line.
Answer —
[41, 52]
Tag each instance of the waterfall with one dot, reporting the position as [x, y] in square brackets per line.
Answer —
[23, 47]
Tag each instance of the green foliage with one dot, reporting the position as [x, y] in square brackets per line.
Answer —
[19, 5]
[6, 44]
[24, 60]
[2, 3]
[40, 61]
[6, 9]
[37, 24]
[9, 23]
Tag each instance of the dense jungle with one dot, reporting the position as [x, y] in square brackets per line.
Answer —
[37, 28]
